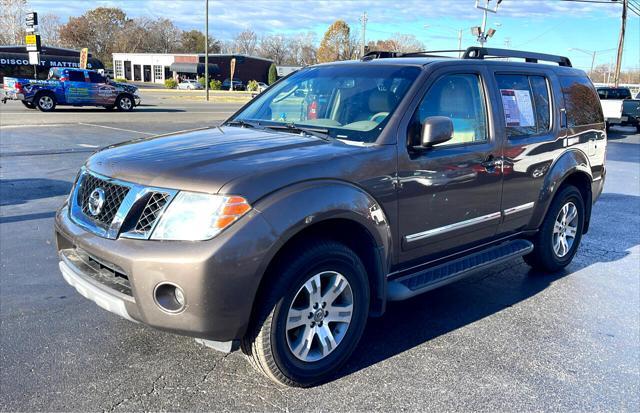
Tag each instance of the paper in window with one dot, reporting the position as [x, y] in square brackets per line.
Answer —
[518, 108]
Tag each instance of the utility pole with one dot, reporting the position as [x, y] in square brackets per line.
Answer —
[206, 48]
[363, 20]
[481, 32]
[459, 43]
[616, 78]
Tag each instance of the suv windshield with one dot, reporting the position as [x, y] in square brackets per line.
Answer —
[352, 102]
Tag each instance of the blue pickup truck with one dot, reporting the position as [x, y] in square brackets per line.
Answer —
[75, 87]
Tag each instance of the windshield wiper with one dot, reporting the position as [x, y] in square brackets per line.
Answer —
[241, 123]
[321, 133]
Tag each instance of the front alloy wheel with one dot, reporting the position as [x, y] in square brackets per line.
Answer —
[319, 316]
[125, 103]
[311, 315]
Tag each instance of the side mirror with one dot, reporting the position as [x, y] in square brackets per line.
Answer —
[435, 130]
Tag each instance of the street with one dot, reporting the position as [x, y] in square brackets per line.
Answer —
[504, 339]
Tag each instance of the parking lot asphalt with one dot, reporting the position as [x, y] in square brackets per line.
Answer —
[506, 339]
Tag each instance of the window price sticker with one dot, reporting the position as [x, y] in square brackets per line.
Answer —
[518, 108]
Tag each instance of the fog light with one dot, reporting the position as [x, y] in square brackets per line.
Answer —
[179, 296]
[169, 297]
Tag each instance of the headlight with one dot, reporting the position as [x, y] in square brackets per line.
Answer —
[195, 217]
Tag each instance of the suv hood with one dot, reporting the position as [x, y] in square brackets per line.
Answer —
[205, 160]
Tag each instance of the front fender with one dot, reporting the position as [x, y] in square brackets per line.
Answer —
[295, 208]
[570, 162]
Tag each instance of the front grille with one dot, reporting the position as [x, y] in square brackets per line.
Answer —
[151, 211]
[114, 195]
[137, 216]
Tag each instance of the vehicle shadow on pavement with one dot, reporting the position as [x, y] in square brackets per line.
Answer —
[20, 191]
[408, 324]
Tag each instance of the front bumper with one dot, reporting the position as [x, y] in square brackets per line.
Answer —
[137, 100]
[219, 277]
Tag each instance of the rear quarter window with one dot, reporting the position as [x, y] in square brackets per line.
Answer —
[526, 103]
[75, 76]
[581, 101]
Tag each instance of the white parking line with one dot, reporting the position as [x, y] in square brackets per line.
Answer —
[120, 129]
[86, 145]
[37, 125]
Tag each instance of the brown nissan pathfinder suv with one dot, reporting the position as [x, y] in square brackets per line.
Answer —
[340, 188]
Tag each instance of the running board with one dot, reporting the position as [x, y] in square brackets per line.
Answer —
[439, 275]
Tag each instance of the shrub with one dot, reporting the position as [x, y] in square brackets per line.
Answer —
[252, 86]
[120, 80]
[215, 84]
[273, 74]
[201, 81]
[170, 83]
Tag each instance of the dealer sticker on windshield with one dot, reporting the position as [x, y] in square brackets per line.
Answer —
[518, 108]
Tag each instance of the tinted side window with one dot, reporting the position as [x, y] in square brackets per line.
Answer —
[526, 104]
[95, 77]
[75, 76]
[581, 101]
[460, 98]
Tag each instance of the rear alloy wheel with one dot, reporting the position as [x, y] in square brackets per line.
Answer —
[125, 103]
[558, 239]
[312, 316]
[45, 102]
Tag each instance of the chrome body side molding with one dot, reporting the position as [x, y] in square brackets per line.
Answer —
[468, 223]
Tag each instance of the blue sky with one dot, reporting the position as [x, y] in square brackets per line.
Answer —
[550, 26]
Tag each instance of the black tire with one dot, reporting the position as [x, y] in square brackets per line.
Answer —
[28, 105]
[45, 102]
[266, 343]
[544, 257]
[125, 103]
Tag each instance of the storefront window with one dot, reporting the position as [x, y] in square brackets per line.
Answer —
[157, 72]
[117, 68]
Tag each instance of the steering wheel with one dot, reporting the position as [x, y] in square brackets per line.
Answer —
[380, 115]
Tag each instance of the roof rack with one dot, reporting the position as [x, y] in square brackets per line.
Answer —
[530, 57]
[379, 54]
[480, 53]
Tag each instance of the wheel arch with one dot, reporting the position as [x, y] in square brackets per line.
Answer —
[329, 210]
[124, 93]
[571, 168]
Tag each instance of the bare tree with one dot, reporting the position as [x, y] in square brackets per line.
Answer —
[12, 21]
[95, 29]
[302, 49]
[163, 36]
[274, 47]
[228, 47]
[246, 42]
[407, 43]
[134, 36]
[403, 43]
[49, 27]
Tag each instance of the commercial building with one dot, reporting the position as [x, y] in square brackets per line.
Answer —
[14, 61]
[156, 67]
